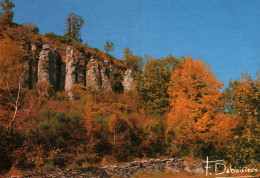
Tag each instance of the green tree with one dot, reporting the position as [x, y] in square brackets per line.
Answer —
[73, 24]
[243, 103]
[7, 15]
[154, 82]
[109, 46]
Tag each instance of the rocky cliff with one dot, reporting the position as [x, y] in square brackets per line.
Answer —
[63, 68]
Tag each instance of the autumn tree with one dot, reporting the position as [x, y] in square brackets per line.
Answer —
[109, 46]
[154, 138]
[12, 73]
[74, 24]
[243, 103]
[195, 124]
[154, 83]
[7, 14]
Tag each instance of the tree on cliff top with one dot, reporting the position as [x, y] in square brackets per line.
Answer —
[109, 46]
[6, 16]
[74, 24]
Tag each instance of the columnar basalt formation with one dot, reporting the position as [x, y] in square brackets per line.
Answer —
[44, 64]
[71, 69]
[93, 77]
[100, 74]
[108, 81]
[128, 80]
[49, 68]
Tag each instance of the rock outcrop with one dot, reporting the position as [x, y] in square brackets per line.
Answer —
[49, 67]
[71, 69]
[100, 74]
[45, 64]
[93, 76]
[75, 68]
[108, 81]
[128, 81]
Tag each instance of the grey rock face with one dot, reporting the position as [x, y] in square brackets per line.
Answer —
[75, 69]
[43, 64]
[108, 81]
[100, 74]
[128, 80]
[71, 69]
[48, 68]
[93, 76]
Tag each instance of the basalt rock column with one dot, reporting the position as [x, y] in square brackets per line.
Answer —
[71, 69]
[48, 68]
[93, 77]
[108, 81]
[128, 81]
[43, 64]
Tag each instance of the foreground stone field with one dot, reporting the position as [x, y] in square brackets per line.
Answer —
[130, 169]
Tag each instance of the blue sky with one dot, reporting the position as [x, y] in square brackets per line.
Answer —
[224, 33]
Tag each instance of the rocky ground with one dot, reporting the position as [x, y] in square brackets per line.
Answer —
[129, 169]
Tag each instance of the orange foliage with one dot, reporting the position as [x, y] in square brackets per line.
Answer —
[11, 76]
[10, 62]
[195, 119]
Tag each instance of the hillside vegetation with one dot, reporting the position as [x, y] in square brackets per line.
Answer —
[175, 109]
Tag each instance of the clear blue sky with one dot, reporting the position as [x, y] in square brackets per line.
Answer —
[224, 33]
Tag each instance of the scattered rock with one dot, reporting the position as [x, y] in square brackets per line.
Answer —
[126, 170]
